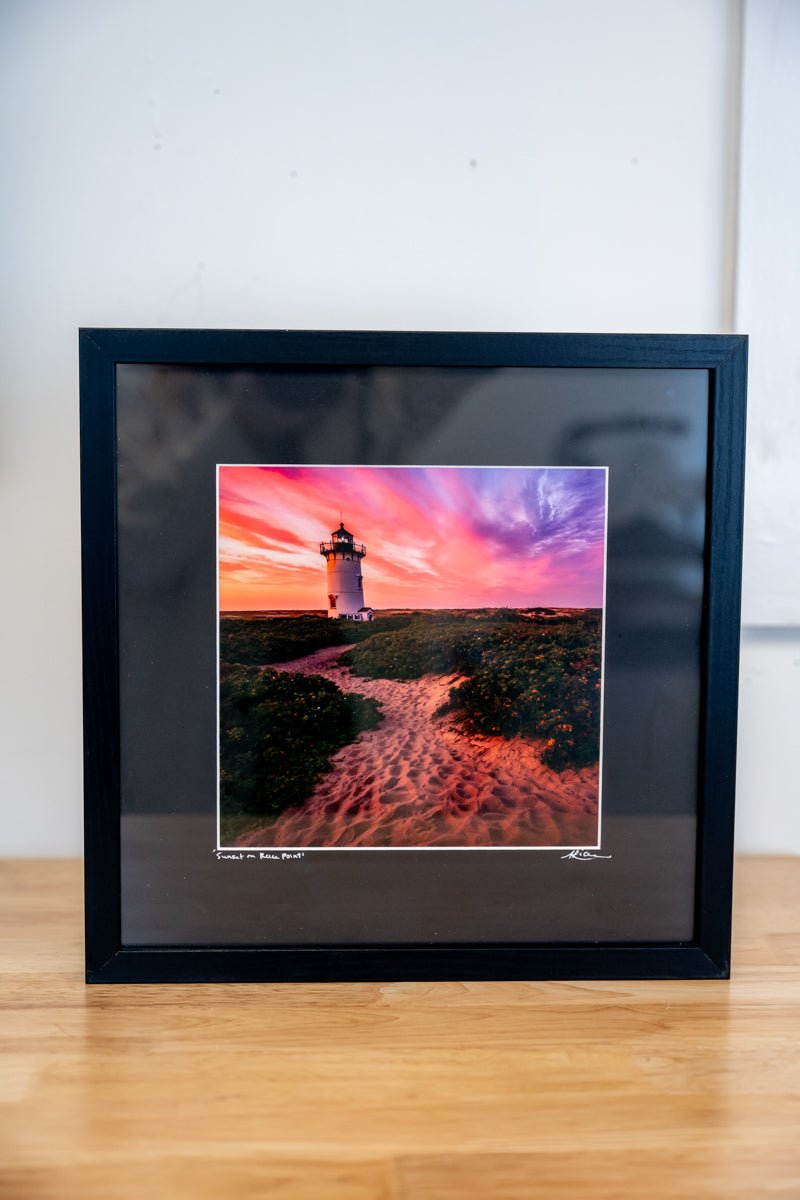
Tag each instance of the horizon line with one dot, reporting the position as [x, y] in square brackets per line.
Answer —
[445, 608]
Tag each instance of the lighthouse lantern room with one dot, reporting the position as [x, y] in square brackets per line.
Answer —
[345, 581]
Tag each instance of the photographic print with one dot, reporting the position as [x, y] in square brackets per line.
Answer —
[410, 657]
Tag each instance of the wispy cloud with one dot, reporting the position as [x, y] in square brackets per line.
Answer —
[448, 537]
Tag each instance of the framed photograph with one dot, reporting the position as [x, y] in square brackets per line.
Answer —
[409, 655]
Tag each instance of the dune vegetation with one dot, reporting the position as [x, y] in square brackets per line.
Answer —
[535, 674]
[256, 640]
[277, 734]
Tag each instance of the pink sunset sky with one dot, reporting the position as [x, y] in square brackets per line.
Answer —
[436, 537]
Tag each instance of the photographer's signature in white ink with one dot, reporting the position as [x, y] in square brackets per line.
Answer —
[583, 855]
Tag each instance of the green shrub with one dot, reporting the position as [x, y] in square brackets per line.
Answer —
[427, 645]
[540, 682]
[257, 640]
[277, 734]
[358, 631]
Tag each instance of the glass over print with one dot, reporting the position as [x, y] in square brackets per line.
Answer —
[417, 641]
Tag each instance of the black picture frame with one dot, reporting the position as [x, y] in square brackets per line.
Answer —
[706, 954]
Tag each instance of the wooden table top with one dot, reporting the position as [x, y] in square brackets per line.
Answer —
[443, 1091]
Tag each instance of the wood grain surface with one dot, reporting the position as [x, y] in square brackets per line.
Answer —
[446, 1091]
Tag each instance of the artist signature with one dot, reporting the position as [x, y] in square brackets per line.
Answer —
[582, 855]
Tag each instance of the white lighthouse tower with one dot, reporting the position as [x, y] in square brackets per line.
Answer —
[345, 581]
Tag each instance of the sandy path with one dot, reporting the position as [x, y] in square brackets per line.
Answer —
[418, 781]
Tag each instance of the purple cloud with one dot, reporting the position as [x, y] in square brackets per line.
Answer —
[557, 511]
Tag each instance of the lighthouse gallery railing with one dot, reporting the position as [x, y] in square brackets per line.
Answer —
[344, 547]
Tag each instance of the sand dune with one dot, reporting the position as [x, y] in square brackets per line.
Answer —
[418, 780]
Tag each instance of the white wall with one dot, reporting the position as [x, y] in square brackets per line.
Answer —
[441, 164]
[768, 307]
[768, 799]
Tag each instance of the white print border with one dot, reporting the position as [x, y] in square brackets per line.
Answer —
[220, 849]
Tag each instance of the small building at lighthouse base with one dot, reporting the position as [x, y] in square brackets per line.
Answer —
[363, 614]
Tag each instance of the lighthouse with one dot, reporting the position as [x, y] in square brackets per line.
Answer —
[345, 581]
